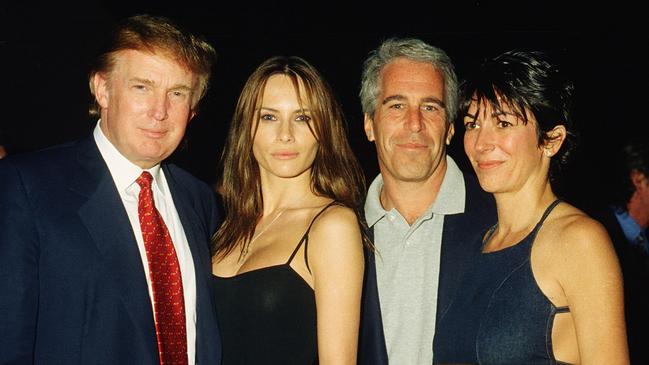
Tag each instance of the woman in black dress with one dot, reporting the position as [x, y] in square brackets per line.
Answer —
[288, 259]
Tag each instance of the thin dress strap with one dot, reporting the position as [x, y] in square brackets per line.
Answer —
[547, 212]
[538, 225]
[305, 237]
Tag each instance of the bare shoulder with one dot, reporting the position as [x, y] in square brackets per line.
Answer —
[334, 218]
[572, 229]
[335, 234]
[575, 241]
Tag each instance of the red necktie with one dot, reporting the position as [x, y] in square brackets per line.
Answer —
[166, 281]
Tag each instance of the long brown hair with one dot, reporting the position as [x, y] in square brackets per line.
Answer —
[335, 173]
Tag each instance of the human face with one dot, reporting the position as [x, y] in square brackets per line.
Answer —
[145, 105]
[409, 124]
[283, 145]
[503, 150]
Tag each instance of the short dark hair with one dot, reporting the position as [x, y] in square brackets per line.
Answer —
[526, 81]
[633, 155]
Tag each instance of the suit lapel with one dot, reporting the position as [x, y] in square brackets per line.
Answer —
[371, 342]
[107, 222]
[461, 241]
[452, 261]
[191, 222]
[196, 231]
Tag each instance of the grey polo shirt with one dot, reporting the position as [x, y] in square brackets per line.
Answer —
[407, 267]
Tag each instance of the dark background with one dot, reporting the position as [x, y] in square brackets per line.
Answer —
[46, 49]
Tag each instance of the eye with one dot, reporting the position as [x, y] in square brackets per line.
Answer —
[267, 117]
[503, 123]
[430, 107]
[397, 106]
[303, 118]
[179, 95]
[140, 87]
[470, 124]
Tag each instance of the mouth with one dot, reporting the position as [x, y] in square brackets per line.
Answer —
[412, 146]
[154, 133]
[284, 155]
[487, 165]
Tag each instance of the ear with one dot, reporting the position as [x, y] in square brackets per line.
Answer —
[100, 87]
[368, 125]
[556, 137]
[450, 133]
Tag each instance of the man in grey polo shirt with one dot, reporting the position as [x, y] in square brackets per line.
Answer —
[425, 215]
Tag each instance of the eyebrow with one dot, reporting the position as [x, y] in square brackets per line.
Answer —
[151, 83]
[304, 110]
[494, 114]
[429, 99]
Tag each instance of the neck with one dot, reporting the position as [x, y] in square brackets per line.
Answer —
[518, 211]
[411, 198]
[280, 194]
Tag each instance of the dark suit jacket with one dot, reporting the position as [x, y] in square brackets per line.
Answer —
[72, 283]
[635, 270]
[461, 241]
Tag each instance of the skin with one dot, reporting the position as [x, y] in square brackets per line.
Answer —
[146, 103]
[285, 150]
[410, 130]
[638, 206]
[283, 144]
[572, 259]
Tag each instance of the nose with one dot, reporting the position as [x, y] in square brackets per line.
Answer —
[285, 132]
[484, 139]
[159, 107]
[414, 122]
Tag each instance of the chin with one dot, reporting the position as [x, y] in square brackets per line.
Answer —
[288, 174]
[488, 185]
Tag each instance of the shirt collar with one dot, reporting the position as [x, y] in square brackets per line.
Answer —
[629, 226]
[450, 199]
[124, 172]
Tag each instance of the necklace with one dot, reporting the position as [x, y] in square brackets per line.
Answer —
[246, 247]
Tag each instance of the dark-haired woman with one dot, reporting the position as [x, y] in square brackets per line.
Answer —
[546, 288]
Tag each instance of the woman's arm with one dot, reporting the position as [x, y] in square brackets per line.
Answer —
[592, 281]
[335, 254]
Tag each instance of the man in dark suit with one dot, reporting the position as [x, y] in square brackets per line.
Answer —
[104, 254]
[424, 214]
[626, 218]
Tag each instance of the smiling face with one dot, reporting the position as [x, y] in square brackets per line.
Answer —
[145, 105]
[409, 125]
[283, 144]
[504, 150]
